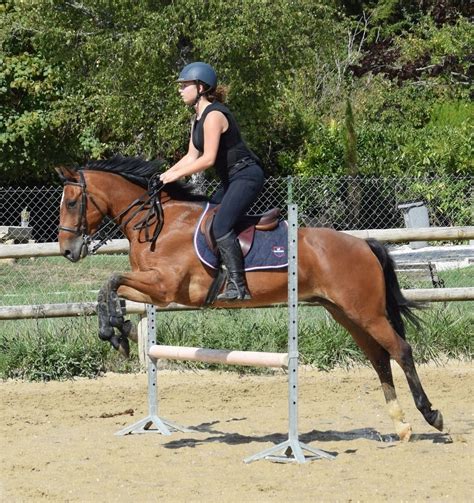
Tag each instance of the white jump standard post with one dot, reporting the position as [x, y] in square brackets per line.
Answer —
[162, 426]
[293, 449]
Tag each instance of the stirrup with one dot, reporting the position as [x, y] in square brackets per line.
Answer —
[234, 292]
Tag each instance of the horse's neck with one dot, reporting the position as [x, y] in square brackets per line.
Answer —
[119, 195]
[122, 195]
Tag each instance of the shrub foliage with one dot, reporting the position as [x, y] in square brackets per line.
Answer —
[87, 79]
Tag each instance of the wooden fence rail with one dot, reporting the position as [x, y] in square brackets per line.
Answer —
[90, 308]
[385, 235]
[122, 246]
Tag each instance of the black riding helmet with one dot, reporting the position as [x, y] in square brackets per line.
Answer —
[201, 72]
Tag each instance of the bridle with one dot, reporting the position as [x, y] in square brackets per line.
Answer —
[81, 227]
[150, 202]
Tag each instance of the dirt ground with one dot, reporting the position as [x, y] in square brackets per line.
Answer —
[57, 439]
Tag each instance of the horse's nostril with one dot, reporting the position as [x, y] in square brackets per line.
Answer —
[68, 254]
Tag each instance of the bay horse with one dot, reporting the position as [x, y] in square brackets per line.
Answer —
[354, 279]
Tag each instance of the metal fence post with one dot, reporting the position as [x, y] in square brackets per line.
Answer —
[289, 181]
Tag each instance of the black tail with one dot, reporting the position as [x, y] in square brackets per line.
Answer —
[397, 304]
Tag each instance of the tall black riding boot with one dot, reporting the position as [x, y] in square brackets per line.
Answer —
[231, 256]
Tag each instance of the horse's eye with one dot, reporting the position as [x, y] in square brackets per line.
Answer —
[71, 204]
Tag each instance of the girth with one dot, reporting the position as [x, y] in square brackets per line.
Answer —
[245, 228]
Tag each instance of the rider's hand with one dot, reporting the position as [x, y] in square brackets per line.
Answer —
[169, 176]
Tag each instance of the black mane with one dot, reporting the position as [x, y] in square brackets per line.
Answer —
[140, 172]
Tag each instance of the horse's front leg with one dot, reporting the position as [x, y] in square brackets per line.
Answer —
[111, 316]
[153, 285]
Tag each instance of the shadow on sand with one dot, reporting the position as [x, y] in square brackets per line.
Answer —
[215, 435]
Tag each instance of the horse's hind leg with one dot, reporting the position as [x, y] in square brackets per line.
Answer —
[401, 352]
[380, 360]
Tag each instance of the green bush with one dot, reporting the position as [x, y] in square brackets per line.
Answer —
[426, 37]
[45, 350]
[59, 349]
[322, 342]
[96, 78]
[445, 333]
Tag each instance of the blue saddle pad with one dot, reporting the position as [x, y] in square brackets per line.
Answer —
[269, 248]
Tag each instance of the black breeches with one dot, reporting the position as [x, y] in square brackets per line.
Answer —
[237, 198]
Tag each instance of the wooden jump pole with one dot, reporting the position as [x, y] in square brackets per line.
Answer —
[386, 235]
[39, 311]
[225, 357]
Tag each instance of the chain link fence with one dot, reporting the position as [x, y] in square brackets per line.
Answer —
[342, 203]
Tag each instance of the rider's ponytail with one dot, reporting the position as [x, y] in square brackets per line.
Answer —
[218, 94]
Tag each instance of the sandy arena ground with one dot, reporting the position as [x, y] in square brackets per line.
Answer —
[57, 439]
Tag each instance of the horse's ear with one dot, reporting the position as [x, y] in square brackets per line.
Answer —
[65, 173]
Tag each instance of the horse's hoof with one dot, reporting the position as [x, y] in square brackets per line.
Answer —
[124, 347]
[436, 420]
[129, 330]
[133, 334]
[404, 432]
[115, 341]
[121, 344]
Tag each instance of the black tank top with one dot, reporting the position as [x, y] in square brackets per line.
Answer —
[231, 146]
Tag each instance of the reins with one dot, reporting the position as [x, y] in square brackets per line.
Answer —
[154, 212]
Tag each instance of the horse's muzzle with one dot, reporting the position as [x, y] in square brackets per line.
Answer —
[74, 249]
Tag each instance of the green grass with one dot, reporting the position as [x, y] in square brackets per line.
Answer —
[457, 277]
[452, 278]
[444, 332]
[55, 280]
[447, 331]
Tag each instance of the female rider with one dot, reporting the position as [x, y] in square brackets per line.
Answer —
[216, 141]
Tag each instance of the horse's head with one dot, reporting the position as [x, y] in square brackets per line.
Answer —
[80, 215]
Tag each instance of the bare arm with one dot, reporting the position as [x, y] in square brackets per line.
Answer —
[191, 155]
[215, 124]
